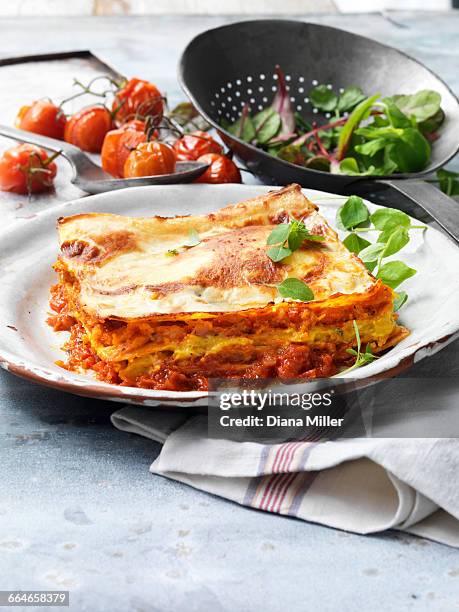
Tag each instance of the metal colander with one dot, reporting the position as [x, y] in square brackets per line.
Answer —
[258, 91]
[227, 67]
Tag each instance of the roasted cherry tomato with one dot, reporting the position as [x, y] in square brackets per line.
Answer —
[137, 97]
[222, 170]
[119, 143]
[193, 145]
[87, 128]
[42, 117]
[140, 126]
[134, 124]
[150, 159]
[26, 169]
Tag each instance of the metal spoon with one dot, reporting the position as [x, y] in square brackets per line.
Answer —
[90, 177]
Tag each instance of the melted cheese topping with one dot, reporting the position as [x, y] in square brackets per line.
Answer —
[130, 268]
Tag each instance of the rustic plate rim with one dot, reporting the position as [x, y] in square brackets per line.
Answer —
[38, 373]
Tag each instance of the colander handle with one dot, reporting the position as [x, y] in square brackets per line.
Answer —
[443, 209]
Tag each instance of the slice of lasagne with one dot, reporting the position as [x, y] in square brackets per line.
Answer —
[167, 303]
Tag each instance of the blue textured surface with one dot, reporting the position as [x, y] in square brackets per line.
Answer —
[79, 509]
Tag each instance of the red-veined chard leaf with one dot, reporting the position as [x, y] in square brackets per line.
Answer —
[282, 104]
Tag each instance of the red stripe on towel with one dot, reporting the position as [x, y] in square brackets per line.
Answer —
[283, 461]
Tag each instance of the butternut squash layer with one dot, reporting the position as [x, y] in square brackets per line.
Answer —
[286, 340]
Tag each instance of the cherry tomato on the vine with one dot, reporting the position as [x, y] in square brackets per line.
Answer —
[221, 170]
[25, 169]
[137, 97]
[150, 159]
[134, 124]
[140, 126]
[87, 128]
[42, 117]
[119, 143]
[191, 146]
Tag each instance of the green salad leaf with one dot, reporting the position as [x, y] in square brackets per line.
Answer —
[360, 135]
[349, 166]
[395, 239]
[294, 154]
[400, 299]
[448, 182]
[295, 289]
[422, 105]
[388, 218]
[352, 213]
[360, 112]
[318, 162]
[431, 125]
[393, 273]
[323, 98]
[372, 252]
[411, 152]
[355, 243]
[349, 98]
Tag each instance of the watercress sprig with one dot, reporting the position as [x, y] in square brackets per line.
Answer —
[361, 358]
[393, 226]
[288, 237]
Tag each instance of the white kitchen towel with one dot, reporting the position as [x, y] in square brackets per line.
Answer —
[363, 485]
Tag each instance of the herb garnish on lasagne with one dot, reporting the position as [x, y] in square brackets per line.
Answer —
[167, 303]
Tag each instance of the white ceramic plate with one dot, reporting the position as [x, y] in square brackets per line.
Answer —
[29, 348]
